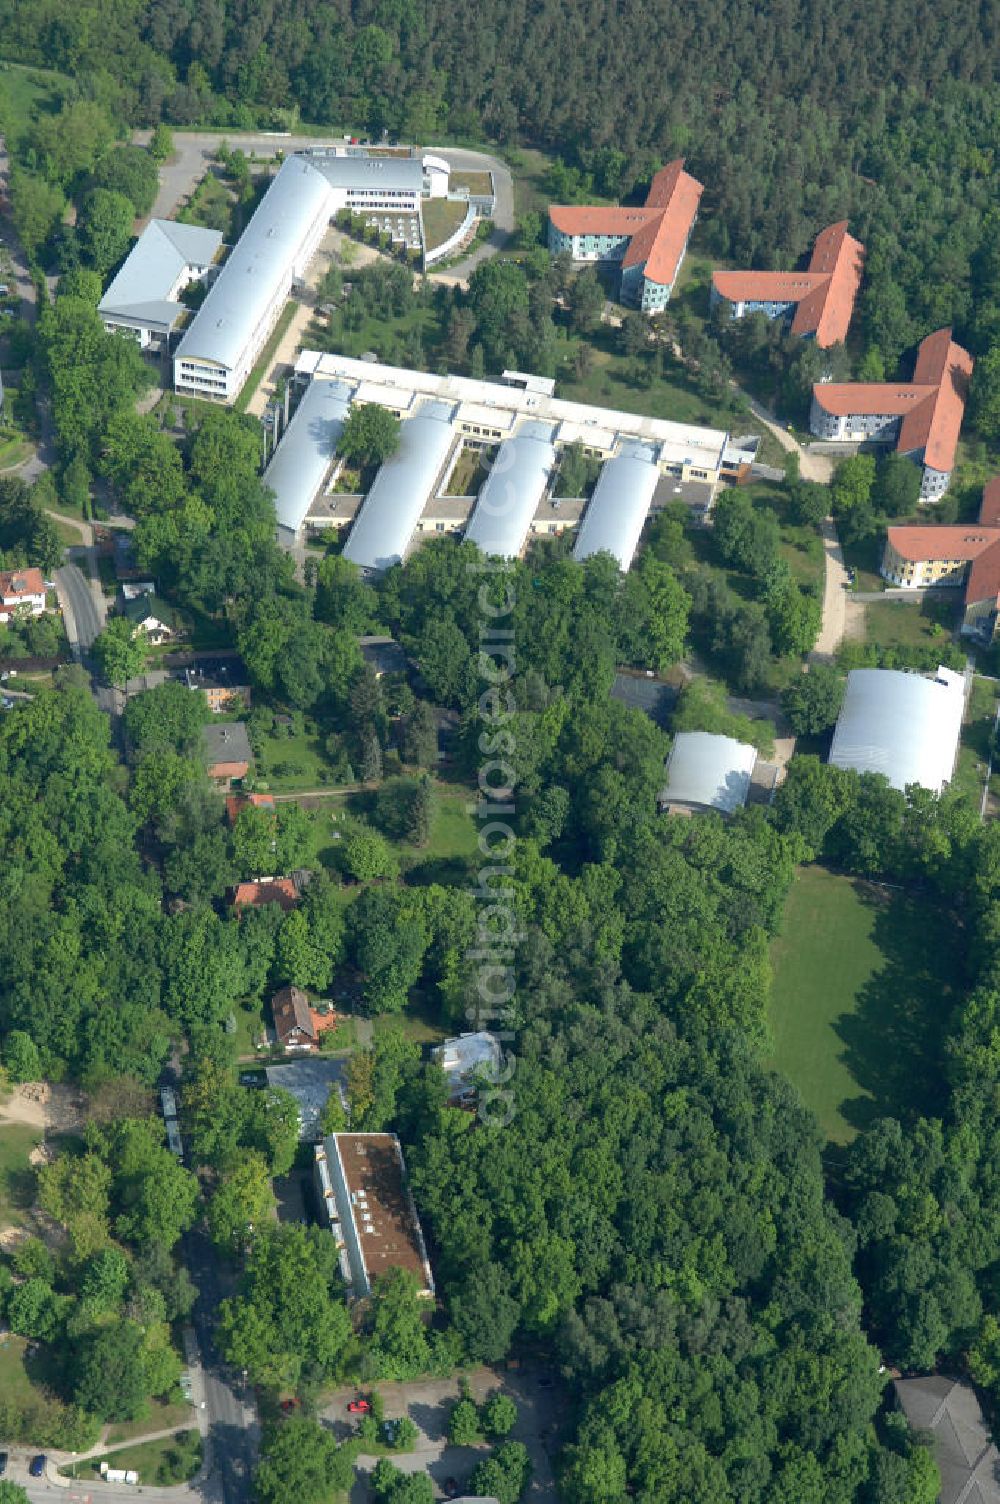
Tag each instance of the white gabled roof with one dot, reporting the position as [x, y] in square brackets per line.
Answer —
[902, 725]
[711, 772]
[159, 257]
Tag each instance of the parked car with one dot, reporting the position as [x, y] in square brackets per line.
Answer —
[359, 1406]
[4, 1459]
[36, 1466]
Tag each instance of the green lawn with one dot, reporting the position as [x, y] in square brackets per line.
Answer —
[453, 839]
[159, 1415]
[977, 734]
[864, 558]
[292, 764]
[15, 1385]
[896, 623]
[173, 1459]
[263, 365]
[862, 986]
[26, 93]
[17, 1178]
[14, 452]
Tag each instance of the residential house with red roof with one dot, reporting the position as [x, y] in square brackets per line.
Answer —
[255, 895]
[819, 301]
[964, 555]
[650, 242]
[922, 417]
[22, 593]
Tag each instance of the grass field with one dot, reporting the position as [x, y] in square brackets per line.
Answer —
[159, 1415]
[895, 623]
[26, 93]
[861, 990]
[977, 734]
[15, 1385]
[453, 838]
[172, 1459]
[17, 1178]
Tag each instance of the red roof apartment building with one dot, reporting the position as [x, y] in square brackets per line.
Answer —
[650, 242]
[922, 417]
[819, 301]
[960, 554]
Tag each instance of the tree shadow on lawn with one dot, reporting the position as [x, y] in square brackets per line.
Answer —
[893, 1038]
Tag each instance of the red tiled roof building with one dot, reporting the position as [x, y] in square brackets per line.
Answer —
[649, 242]
[921, 418]
[959, 554]
[819, 301]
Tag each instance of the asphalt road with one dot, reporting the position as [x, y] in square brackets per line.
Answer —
[233, 1435]
[82, 615]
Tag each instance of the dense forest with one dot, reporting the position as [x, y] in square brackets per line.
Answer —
[791, 119]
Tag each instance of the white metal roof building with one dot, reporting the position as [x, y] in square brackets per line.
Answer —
[303, 459]
[404, 484]
[705, 771]
[512, 491]
[684, 450]
[142, 300]
[902, 725]
[231, 327]
[614, 520]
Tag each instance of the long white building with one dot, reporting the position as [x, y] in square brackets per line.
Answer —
[219, 349]
[520, 428]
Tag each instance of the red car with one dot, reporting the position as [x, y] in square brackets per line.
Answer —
[360, 1406]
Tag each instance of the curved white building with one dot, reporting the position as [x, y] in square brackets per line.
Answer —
[614, 520]
[511, 493]
[404, 484]
[705, 771]
[904, 726]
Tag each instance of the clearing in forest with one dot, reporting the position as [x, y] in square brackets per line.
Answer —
[863, 981]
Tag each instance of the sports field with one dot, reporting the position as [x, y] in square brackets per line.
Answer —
[862, 985]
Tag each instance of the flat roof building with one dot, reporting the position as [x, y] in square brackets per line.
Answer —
[705, 771]
[922, 418]
[649, 242]
[404, 484]
[466, 1056]
[614, 520]
[365, 1200]
[819, 301]
[143, 299]
[513, 490]
[904, 726]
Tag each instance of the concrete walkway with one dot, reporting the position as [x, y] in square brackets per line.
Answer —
[812, 466]
[835, 593]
